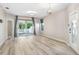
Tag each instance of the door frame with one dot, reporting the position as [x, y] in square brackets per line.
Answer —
[8, 29]
[72, 16]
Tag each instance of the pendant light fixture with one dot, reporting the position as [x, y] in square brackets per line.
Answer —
[50, 9]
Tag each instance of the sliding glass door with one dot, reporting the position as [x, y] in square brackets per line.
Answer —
[25, 27]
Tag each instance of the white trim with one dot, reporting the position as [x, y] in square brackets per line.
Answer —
[76, 50]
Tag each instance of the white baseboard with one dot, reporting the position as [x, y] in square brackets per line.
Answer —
[76, 50]
[54, 38]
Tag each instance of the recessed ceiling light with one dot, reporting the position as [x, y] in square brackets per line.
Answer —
[31, 12]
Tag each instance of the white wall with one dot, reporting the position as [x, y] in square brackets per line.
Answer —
[2, 35]
[55, 26]
[3, 26]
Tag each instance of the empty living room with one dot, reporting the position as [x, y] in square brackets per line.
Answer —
[39, 28]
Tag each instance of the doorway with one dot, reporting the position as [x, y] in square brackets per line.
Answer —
[9, 29]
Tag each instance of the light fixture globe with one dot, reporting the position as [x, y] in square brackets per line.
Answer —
[50, 11]
[31, 12]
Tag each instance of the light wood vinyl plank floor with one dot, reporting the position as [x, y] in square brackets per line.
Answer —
[35, 45]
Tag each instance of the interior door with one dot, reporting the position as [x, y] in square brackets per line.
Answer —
[73, 33]
[9, 29]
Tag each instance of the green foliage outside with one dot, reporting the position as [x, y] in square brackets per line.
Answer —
[21, 26]
[29, 25]
[25, 25]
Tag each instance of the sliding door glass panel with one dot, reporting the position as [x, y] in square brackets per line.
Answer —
[25, 27]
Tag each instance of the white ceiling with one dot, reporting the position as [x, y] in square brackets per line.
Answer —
[41, 9]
